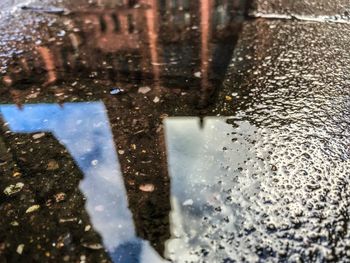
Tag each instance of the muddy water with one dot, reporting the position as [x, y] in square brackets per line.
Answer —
[159, 131]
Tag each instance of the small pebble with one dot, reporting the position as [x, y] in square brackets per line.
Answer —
[14, 223]
[32, 209]
[93, 246]
[17, 174]
[144, 90]
[20, 248]
[32, 95]
[7, 81]
[52, 165]
[13, 189]
[60, 197]
[147, 187]
[198, 74]
[65, 220]
[38, 135]
[116, 91]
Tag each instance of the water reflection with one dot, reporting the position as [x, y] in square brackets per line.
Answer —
[179, 50]
[271, 189]
[250, 193]
[238, 191]
[203, 161]
[168, 44]
[83, 128]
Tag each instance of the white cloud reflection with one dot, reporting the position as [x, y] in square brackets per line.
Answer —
[200, 169]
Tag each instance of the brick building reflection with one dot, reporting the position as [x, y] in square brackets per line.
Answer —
[166, 44]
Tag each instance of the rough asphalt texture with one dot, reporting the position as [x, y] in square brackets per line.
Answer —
[289, 80]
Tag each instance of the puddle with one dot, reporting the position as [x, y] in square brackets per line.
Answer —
[203, 161]
[237, 187]
[176, 46]
[157, 131]
[83, 105]
[84, 130]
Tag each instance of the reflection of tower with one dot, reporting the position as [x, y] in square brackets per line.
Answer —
[152, 17]
[117, 43]
[202, 39]
[172, 43]
[51, 179]
[205, 10]
[183, 44]
[121, 43]
[221, 22]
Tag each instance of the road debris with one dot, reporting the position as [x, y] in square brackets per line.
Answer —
[198, 74]
[13, 189]
[147, 187]
[16, 174]
[52, 165]
[92, 246]
[116, 91]
[144, 90]
[32, 209]
[228, 98]
[60, 197]
[20, 249]
[38, 135]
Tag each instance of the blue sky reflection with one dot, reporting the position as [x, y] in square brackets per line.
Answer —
[84, 129]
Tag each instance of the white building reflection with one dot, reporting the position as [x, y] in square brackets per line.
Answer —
[205, 167]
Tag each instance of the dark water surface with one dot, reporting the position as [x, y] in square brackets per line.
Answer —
[174, 131]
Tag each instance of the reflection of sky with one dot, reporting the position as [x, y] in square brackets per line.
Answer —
[200, 168]
[246, 193]
[83, 128]
[12, 5]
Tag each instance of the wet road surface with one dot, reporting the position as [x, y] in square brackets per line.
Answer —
[165, 131]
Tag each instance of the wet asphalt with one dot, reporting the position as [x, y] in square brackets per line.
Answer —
[243, 158]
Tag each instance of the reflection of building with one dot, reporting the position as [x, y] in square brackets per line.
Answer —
[167, 45]
[58, 230]
[174, 43]
[84, 131]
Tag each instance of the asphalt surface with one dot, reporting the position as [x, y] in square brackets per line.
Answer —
[291, 81]
[244, 157]
[299, 7]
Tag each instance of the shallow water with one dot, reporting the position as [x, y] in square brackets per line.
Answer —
[159, 131]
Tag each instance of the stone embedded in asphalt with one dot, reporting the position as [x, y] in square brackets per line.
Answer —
[13, 189]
